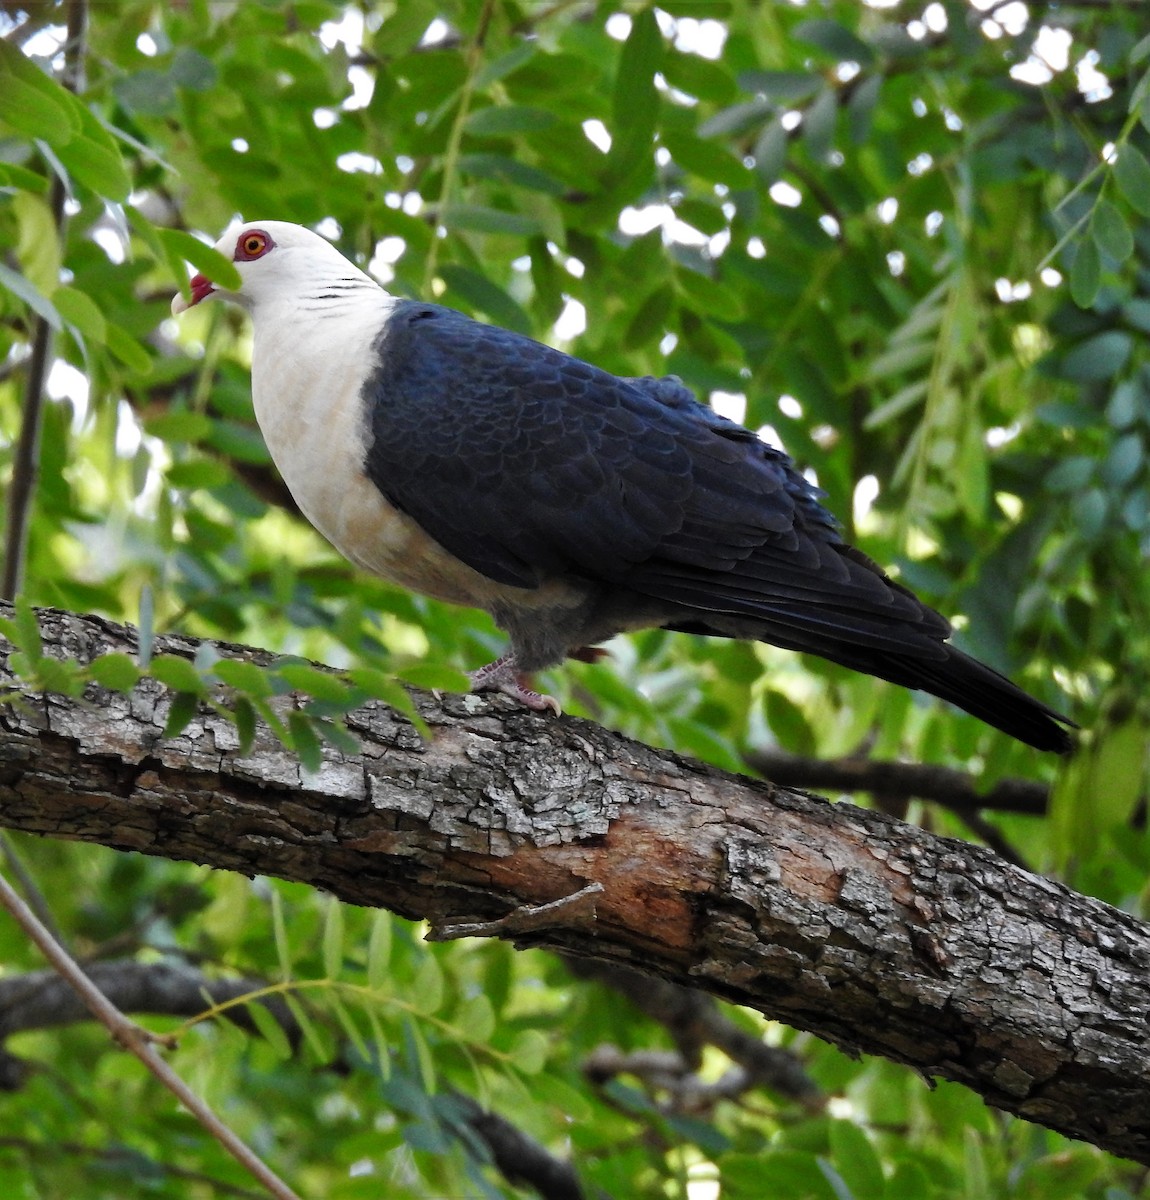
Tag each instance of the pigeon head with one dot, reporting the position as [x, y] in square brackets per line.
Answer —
[274, 258]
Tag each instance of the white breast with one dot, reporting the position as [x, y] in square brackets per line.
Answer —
[307, 372]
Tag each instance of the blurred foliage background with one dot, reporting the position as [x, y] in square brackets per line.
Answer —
[906, 240]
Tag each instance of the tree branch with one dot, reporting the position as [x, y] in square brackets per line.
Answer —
[873, 934]
[44, 1000]
[952, 789]
[138, 1041]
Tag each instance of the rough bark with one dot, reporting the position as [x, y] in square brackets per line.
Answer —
[866, 931]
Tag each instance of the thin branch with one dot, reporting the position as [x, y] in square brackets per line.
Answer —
[32, 893]
[26, 465]
[138, 1041]
[952, 789]
[42, 1000]
[694, 1020]
[520, 1158]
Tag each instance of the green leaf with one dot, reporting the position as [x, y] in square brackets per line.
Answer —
[177, 673]
[650, 321]
[147, 92]
[63, 676]
[183, 709]
[1071, 474]
[197, 473]
[783, 87]
[1111, 232]
[15, 176]
[333, 939]
[1125, 460]
[270, 1029]
[192, 70]
[94, 159]
[313, 681]
[1102, 356]
[23, 290]
[707, 159]
[434, 677]
[1132, 174]
[488, 297]
[529, 1051]
[244, 715]
[243, 676]
[379, 950]
[178, 425]
[80, 311]
[318, 1038]
[819, 123]
[146, 625]
[38, 243]
[482, 219]
[427, 987]
[856, 1161]
[635, 103]
[1086, 274]
[31, 103]
[503, 120]
[506, 64]
[23, 630]
[128, 350]
[423, 1059]
[511, 170]
[476, 1019]
[350, 1027]
[304, 741]
[835, 39]
[206, 259]
[279, 933]
[771, 152]
[115, 671]
[861, 107]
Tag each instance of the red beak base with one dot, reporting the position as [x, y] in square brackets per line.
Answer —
[201, 287]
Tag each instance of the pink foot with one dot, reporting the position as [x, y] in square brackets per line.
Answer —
[503, 676]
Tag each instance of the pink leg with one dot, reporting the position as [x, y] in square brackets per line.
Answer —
[504, 676]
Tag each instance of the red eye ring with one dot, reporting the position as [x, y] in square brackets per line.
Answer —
[252, 244]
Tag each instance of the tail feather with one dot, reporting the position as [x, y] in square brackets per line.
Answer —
[984, 693]
[925, 663]
[966, 683]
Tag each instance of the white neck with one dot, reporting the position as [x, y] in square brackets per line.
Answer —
[310, 355]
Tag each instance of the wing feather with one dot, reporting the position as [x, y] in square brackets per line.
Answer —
[523, 462]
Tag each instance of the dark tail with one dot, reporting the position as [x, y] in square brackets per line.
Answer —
[984, 693]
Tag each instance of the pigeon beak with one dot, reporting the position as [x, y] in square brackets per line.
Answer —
[201, 287]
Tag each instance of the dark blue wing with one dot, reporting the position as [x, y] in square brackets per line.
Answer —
[523, 461]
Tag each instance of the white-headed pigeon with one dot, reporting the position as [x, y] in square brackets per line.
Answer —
[480, 467]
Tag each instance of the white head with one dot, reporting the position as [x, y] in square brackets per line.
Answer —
[276, 260]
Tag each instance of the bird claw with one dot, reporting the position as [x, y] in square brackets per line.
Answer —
[503, 676]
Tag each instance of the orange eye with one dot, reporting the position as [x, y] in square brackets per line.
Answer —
[252, 244]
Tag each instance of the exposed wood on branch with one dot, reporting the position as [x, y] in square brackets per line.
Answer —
[871, 933]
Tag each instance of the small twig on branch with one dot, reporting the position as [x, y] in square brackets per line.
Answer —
[528, 919]
[137, 1040]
